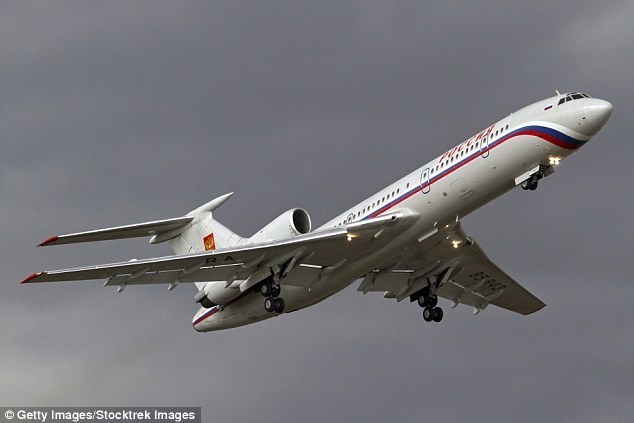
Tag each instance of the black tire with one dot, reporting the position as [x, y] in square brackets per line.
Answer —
[437, 314]
[433, 301]
[525, 185]
[276, 290]
[279, 305]
[428, 314]
[422, 300]
[269, 304]
[266, 289]
[533, 186]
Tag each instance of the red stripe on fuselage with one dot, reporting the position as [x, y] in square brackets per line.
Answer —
[477, 153]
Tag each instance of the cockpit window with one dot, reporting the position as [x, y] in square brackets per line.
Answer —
[572, 96]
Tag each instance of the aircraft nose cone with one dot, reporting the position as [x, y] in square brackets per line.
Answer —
[596, 113]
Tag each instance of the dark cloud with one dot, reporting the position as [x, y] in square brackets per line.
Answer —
[118, 112]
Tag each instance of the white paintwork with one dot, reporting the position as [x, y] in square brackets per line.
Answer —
[400, 238]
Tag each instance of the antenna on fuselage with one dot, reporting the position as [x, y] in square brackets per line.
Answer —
[557, 91]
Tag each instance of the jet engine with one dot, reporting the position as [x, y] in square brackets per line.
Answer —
[215, 293]
[289, 224]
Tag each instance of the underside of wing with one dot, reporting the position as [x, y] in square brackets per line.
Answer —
[454, 266]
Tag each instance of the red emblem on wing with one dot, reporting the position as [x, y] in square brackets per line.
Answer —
[210, 243]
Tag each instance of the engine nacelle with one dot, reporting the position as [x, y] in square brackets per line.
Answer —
[289, 224]
[215, 293]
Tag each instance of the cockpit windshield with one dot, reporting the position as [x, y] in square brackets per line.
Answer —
[571, 97]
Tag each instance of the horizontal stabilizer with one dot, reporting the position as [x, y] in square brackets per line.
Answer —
[120, 232]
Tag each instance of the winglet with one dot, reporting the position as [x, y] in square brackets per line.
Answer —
[49, 241]
[33, 276]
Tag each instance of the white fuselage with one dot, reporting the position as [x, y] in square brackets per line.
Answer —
[443, 190]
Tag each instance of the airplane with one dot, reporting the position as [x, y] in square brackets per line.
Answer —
[405, 241]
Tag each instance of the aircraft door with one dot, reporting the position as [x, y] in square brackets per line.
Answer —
[424, 181]
[484, 146]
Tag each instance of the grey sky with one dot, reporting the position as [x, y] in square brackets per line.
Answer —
[120, 112]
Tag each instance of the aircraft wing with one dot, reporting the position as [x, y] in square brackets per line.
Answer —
[304, 258]
[466, 274]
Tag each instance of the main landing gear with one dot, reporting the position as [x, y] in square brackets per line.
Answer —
[429, 302]
[271, 290]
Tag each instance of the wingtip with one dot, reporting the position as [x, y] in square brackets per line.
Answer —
[31, 277]
[49, 241]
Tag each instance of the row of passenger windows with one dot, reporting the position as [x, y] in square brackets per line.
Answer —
[372, 207]
[573, 96]
[434, 171]
[472, 147]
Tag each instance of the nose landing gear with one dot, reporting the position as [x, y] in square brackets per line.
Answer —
[536, 174]
[530, 183]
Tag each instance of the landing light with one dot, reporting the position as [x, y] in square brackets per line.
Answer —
[554, 160]
[455, 244]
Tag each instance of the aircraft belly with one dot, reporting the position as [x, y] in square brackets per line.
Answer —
[249, 309]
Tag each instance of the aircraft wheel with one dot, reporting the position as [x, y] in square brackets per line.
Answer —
[428, 314]
[433, 301]
[533, 186]
[275, 290]
[279, 305]
[266, 288]
[525, 184]
[422, 300]
[270, 304]
[437, 314]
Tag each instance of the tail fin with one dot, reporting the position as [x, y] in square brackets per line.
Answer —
[204, 233]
